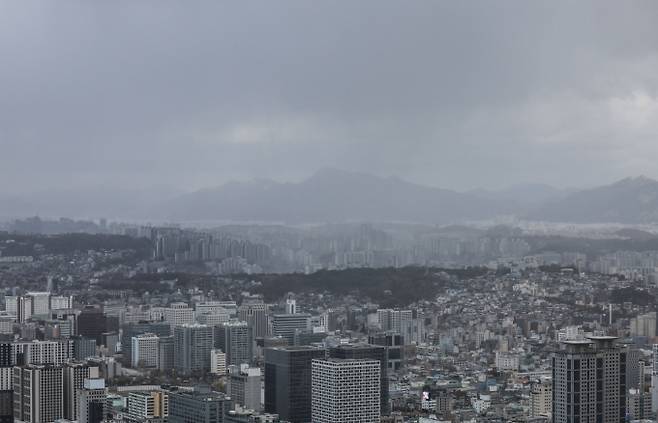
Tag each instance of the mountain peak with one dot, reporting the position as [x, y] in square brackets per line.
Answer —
[636, 181]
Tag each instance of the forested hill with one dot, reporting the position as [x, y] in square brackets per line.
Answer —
[387, 286]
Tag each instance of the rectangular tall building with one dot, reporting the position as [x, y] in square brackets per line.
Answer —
[161, 329]
[288, 382]
[255, 314]
[192, 346]
[38, 393]
[244, 386]
[145, 350]
[372, 352]
[589, 381]
[345, 390]
[74, 375]
[236, 339]
[92, 401]
[286, 325]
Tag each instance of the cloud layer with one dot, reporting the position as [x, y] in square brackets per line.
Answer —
[457, 95]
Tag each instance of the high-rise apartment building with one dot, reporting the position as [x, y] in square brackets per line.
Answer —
[589, 381]
[345, 390]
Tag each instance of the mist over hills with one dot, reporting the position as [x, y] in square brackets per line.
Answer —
[631, 200]
[332, 195]
[338, 196]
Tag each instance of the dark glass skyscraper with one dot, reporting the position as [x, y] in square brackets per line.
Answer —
[288, 382]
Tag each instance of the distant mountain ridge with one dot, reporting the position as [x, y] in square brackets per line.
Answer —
[332, 195]
[631, 200]
[336, 196]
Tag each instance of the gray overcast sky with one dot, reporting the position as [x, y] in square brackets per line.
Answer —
[452, 94]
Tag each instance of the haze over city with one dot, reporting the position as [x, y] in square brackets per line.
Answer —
[328, 212]
[459, 95]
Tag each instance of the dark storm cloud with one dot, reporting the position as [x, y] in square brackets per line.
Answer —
[455, 94]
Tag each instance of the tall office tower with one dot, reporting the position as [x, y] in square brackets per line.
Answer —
[178, 314]
[67, 315]
[345, 390]
[654, 378]
[74, 375]
[38, 393]
[385, 319]
[288, 382]
[145, 406]
[638, 405]
[192, 345]
[11, 304]
[394, 344]
[198, 406]
[286, 325]
[42, 352]
[161, 329]
[92, 322]
[633, 372]
[394, 320]
[60, 302]
[291, 306]
[92, 401]
[145, 351]
[541, 398]
[6, 384]
[23, 309]
[255, 314]
[166, 354]
[83, 347]
[40, 303]
[236, 340]
[217, 362]
[371, 352]
[244, 386]
[589, 381]
[109, 341]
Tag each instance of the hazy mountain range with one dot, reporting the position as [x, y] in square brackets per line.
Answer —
[338, 196]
